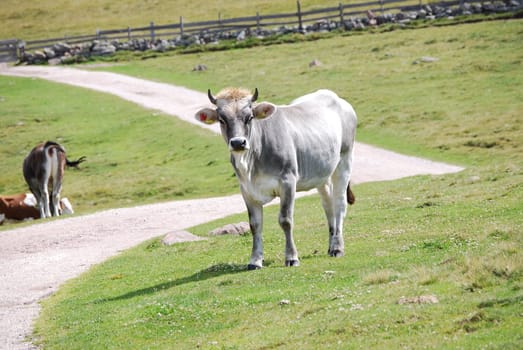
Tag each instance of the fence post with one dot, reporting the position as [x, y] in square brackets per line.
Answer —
[152, 31]
[381, 6]
[257, 23]
[129, 33]
[341, 15]
[20, 49]
[97, 34]
[181, 26]
[300, 24]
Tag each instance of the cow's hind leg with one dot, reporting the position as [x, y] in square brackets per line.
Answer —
[287, 198]
[43, 200]
[56, 164]
[340, 182]
[327, 202]
[55, 199]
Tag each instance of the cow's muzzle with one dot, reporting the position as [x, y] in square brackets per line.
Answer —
[238, 144]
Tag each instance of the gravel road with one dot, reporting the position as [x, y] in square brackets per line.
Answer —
[35, 260]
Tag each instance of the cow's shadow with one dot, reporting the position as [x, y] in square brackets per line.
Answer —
[205, 274]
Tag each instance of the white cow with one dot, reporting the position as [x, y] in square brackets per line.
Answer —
[278, 150]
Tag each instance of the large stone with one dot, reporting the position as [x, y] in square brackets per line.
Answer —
[61, 48]
[54, 61]
[102, 49]
[179, 237]
[422, 299]
[231, 229]
[49, 53]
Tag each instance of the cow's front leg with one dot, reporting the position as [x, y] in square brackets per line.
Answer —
[287, 197]
[255, 211]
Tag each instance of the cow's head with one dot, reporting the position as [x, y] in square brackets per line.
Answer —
[235, 111]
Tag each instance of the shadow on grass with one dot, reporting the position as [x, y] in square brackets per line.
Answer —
[210, 272]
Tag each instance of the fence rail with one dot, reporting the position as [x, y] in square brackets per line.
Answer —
[257, 24]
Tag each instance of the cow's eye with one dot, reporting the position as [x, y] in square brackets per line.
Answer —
[249, 118]
[221, 120]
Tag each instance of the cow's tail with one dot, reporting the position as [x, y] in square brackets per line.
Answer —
[351, 199]
[74, 163]
[58, 147]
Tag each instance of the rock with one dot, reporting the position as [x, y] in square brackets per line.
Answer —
[102, 49]
[199, 68]
[61, 48]
[241, 36]
[162, 46]
[68, 59]
[49, 53]
[54, 61]
[315, 63]
[422, 299]
[400, 16]
[427, 9]
[178, 237]
[231, 229]
[39, 57]
[428, 59]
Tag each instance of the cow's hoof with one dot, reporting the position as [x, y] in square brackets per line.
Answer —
[336, 253]
[292, 263]
[253, 267]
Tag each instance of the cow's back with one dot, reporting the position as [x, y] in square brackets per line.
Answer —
[323, 105]
[309, 136]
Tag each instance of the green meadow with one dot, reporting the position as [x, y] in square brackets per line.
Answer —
[455, 239]
[33, 20]
[131, 156]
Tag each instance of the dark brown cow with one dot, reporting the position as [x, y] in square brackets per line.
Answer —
[45, 165]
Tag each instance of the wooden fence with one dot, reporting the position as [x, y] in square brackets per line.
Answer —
[257, 23]
[8, 50]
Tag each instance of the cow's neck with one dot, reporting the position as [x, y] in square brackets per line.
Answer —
[243, 162]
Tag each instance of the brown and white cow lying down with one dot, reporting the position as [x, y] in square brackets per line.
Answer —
[45, 166]
[278, 150]
[23, 206]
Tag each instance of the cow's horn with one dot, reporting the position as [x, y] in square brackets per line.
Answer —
[211, 97]
[255, 96]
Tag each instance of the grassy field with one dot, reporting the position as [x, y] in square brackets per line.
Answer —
[456, 238]
[131, 156]
[446, 109]
[49, 19]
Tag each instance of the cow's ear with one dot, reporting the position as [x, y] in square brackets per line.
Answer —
[264, 110]
[206, 115]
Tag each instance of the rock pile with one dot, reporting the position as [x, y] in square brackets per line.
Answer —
[63, 53]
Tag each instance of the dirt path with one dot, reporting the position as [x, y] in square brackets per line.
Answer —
[36, 260]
